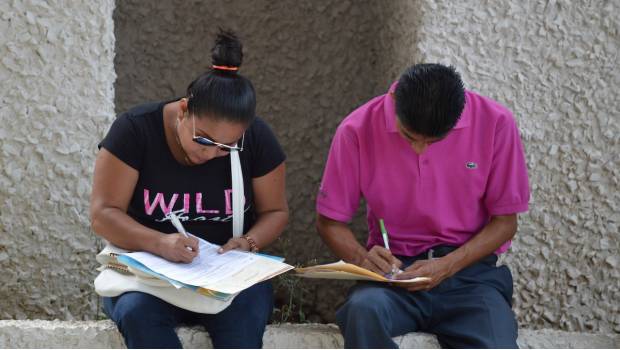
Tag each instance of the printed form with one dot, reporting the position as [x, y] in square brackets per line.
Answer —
[207, 268]
[229, 273]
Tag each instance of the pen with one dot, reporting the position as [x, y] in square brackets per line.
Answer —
[177, 224]
[386, 244]
[384, 234]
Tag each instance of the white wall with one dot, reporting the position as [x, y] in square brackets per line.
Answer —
[57, 74]
[555, 65]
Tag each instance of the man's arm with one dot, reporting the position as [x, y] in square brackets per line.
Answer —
[498, 231]
[340, 239]
[507, 191]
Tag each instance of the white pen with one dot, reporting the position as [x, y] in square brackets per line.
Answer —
[395, 271]
[177, 224]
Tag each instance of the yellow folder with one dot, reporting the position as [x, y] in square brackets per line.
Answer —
[344, 271]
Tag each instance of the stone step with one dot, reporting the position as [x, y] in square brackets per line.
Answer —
[103, 334]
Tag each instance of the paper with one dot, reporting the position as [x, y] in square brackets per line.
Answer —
[345, 271]
[208, 267]
[135, 265]
[226, 273]
[262, 269]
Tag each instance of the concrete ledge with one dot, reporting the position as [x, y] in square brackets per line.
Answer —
[103, 334]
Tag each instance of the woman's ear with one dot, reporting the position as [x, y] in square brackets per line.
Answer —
[183, 106]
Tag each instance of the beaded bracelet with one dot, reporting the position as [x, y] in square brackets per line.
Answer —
[252, 243]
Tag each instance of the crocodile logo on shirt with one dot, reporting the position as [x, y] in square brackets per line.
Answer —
[471, 165]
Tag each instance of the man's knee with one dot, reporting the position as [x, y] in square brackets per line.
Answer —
[506, 329]
[502, 324]
[366, 302]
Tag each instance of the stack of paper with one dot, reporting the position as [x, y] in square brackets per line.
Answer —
[210, 273]
[345, 271]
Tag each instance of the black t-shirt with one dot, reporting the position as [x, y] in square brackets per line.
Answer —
[200, 195]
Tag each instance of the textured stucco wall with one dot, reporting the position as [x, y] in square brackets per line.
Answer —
[552, 63]
[311, 62]
[555, 65]
[57, 73]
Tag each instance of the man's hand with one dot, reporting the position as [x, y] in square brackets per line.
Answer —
[436, 270]
[381, 261]
[174, 247]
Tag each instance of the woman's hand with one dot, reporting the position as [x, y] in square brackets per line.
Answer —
[176, 247]
[237, 243]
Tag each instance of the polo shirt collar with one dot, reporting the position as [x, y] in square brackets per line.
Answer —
[389, 111]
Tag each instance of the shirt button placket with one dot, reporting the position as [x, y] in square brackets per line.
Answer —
[423, 168]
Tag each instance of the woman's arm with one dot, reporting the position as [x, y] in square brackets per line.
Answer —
[271, 209]
[113, 186]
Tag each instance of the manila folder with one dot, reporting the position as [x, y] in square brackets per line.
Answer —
[344, 271]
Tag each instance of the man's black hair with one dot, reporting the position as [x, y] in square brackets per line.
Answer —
[430, 99]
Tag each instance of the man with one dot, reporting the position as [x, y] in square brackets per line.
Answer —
[444, 168]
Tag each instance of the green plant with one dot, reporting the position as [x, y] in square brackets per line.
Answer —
[290, 295]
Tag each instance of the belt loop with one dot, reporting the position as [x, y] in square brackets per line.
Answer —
[430, 254]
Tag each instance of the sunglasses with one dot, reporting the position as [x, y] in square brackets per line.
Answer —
[208, 142]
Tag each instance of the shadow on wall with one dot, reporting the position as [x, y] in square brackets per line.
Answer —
[311, 62]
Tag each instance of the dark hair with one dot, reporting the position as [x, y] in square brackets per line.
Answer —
[223, 94]
[430, 99]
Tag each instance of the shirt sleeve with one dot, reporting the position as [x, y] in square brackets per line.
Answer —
[125, 142]
[267, 153]
[339, 194]
[507, 187]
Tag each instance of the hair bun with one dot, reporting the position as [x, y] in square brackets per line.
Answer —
[227, 51]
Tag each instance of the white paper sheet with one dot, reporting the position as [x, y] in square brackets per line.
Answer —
[207, 268]
[260, 270]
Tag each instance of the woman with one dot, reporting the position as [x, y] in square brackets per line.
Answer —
[174, 156]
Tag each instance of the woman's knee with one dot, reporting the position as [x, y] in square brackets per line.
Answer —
[135, 309]
[242, 324]
[257, 301]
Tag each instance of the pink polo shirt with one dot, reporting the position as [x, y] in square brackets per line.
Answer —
[445, 195]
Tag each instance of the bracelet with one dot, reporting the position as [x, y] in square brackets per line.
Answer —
[252, 243]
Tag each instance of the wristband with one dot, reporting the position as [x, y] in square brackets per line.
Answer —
[252, 243]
